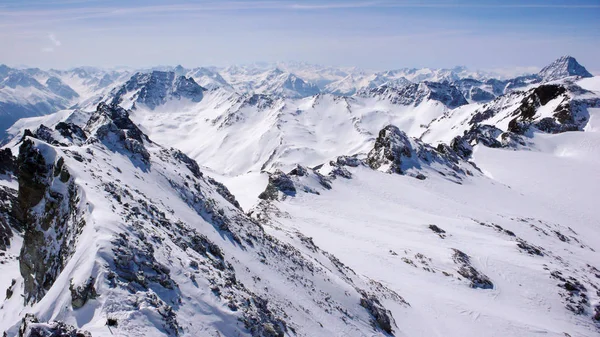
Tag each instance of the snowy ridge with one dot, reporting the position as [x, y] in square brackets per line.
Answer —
[152, 262]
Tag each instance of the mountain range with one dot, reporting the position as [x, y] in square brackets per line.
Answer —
[299, 200]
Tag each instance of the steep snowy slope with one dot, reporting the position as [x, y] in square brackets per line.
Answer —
[124, 237]
[511, 252]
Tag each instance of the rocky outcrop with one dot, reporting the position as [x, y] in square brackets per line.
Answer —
[486, 135]
[111, 125]
[382, 318]
[48, 205]
[562, 119]
[81, 294]
[279, 182]
[466, 270]
[31, 327]
[71, 131]
[299, 179]
[395, 152]
[7, 161]
[8, 221]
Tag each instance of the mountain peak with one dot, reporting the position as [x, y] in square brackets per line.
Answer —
[564, 66]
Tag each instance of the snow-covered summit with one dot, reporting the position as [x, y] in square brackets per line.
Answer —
[564, 66]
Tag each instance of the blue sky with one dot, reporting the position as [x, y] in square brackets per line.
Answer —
[369, 34]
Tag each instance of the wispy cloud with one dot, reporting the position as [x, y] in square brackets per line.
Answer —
[55, 44]
[54, 40]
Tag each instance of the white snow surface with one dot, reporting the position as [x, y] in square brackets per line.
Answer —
[378, 224]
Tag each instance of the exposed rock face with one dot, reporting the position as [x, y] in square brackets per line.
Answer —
[382, 318]
[7, 161]
[391, 146]
[111, 125]
[81, 294]
[563, 67]
[416, 93]
[299, 179]
[395, 152]
[466, 270]
[47, 203]
[550, 108]
[224, 192]
[8, 222]
[278, 182]
[71, 131]
[156, 88]
[562, 119]
[486, 135]
[8, 199]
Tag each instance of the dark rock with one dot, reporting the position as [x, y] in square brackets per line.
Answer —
[224, 192]
[486, 135]
[529, 248]
[31, 327]
[81, 294]
[536, 98]
[8, 216]
[278, 182]
[71, 131]
[398, 153]
[7, 161]
[40, 183]
[10, 290]
[299, 171]
[111, 124]
[466, 270]
[391, 147]
[112, 322]
[436, 229]
[382, 318]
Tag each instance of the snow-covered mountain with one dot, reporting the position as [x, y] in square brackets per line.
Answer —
[156, 88]
[240, 202]
[565, 66]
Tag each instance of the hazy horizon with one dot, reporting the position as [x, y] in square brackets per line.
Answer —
[374, 35]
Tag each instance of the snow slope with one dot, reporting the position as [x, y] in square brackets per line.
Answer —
[380, 225]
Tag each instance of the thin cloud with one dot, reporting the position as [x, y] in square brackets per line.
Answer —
[55, 44]
[54, 40]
